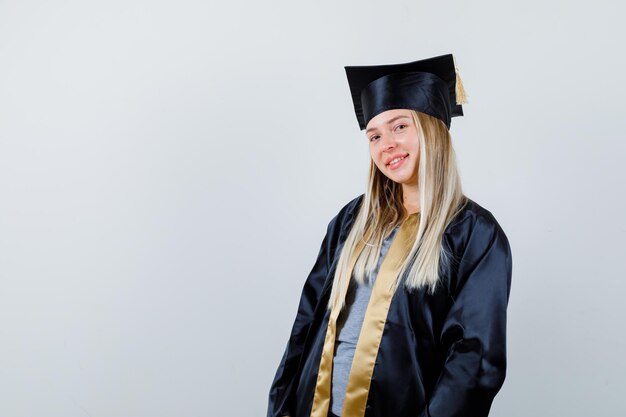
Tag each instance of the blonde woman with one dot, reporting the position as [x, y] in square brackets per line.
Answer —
[404, 311]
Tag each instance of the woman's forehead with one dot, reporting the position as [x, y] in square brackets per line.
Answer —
[387, 117]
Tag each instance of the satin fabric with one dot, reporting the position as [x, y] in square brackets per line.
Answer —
[427, 85]
[419, 91]
[441, 354]
[367, 346]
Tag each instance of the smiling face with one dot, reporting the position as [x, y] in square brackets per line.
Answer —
[394, 145]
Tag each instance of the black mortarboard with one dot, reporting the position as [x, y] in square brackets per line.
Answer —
[431, 86]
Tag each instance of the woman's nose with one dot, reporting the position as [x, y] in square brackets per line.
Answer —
[387, 141]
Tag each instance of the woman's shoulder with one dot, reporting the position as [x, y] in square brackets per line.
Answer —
[352, 206]
[471, 218]
[340, 224]
[474, 213]
[479, 248]
[476, 223]
[471, 213]
[348, 210]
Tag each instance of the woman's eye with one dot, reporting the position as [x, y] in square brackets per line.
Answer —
[373, 137]
[400, 126]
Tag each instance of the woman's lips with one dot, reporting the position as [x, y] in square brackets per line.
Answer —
[397, 165]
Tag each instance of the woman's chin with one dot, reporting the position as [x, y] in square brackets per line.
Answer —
[403, 179]
[400, 179]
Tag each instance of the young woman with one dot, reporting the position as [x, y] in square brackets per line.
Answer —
[404, 311]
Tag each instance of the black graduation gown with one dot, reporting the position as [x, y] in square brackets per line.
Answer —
[440, 355]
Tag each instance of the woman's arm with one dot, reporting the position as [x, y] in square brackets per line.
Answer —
[474, 332]
[282, 388]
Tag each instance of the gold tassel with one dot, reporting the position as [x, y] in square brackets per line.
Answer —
[461, 96]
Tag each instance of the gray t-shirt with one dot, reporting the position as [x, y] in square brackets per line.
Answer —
[349, 325]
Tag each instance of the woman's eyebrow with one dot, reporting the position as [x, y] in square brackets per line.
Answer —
[388, 122]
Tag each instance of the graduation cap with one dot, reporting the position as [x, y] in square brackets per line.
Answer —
[431, 86]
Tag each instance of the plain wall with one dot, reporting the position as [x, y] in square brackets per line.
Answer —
[168, 169]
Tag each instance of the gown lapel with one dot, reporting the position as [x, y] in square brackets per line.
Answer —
[371, 333]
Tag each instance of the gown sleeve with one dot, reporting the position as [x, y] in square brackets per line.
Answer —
[283, 386]
[474, 331]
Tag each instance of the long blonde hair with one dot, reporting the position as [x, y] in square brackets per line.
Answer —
[382, 209]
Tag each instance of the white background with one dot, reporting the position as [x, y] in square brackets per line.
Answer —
[167, 171]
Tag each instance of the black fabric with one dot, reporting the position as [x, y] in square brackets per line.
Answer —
[441, 354]
[428, 86]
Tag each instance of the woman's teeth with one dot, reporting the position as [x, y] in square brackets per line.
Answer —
[395, 161]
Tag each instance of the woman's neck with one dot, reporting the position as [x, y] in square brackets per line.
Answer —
[411, 198]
